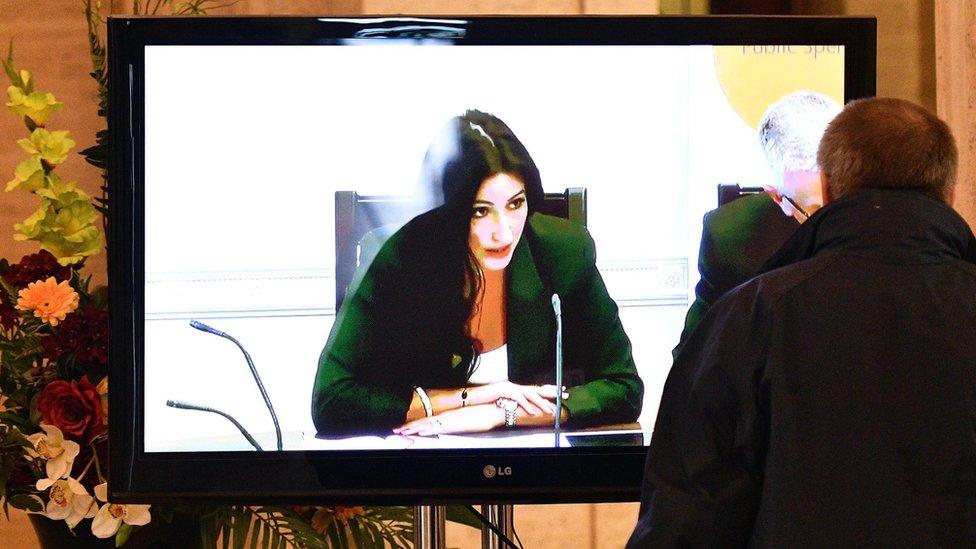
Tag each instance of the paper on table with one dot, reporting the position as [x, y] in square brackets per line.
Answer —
[538, 440]
[397, 442]
[392, 442]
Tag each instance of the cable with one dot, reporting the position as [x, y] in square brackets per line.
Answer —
[484, 520]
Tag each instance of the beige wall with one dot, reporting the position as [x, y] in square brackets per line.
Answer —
[956, 73]
[906, 47]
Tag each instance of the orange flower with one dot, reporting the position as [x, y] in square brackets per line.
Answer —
[51, 301]
[343, 514]
[321, 520]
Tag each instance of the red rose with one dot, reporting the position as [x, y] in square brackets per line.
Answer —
[75, 407]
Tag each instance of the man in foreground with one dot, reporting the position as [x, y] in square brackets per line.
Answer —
[832, 402]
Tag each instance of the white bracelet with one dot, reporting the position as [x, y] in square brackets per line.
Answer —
[425, 401]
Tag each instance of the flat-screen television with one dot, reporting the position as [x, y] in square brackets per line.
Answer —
[412, 230]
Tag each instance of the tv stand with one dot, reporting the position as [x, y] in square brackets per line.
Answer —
[430, 526]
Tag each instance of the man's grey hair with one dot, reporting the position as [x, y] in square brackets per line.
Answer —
[791, 128]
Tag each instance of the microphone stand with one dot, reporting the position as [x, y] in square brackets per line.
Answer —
[429, 527]
[503, 516]
[558, 312]
[254, 372]
[187, 406]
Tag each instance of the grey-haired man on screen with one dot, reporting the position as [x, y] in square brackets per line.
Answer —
[831, 402]
[739, 237]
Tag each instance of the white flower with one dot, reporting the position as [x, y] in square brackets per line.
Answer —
[59, 453]
[68, 500]
[110, 517]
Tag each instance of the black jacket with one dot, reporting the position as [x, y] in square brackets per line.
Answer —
[830, 402]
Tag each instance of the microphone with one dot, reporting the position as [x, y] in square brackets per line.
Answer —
[557, 310]
[209, 329]
[254, 372]
[186, 406]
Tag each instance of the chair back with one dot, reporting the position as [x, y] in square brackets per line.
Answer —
[727, 192]
[379, 216]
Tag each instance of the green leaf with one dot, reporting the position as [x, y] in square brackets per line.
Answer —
[26, 502]
[356, 531]
[15, 419]
[374, 530]
[123, 534]
[255, 535]
[8, 66]
[225, 534]
[266, 529]
[242, 524]
[333, 535]
[461, 515]
[206, 530]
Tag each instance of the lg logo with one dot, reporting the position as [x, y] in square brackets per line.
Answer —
[491, 471]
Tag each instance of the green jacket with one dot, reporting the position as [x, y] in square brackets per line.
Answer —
[737, 240]
[385, 340]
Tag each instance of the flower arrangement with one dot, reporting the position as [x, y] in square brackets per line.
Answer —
[54, 340]
[54, 366]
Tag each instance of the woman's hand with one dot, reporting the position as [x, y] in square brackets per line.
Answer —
[470, 419]
[536, 400]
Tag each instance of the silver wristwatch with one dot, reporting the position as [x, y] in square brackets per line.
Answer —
[509, 406]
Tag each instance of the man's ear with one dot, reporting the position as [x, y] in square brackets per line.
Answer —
[825, 188]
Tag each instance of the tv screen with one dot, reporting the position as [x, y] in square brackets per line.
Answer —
[411, 231]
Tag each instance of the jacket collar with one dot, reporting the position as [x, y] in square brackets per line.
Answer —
[528, 308]
[895, 225]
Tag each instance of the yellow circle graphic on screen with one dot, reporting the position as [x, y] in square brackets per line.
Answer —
[754, 77]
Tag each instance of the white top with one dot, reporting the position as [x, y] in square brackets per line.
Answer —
[492, 367]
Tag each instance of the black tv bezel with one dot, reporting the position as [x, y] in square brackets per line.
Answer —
[387, 477]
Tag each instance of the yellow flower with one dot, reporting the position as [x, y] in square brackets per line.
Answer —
[65, 227]
[52, 147]
[37, 106]
[29, 175]
[54, 187]
[51, 301]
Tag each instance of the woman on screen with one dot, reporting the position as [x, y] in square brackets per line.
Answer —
[451, 327]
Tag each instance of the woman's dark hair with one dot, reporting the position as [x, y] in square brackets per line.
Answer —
[467, 151]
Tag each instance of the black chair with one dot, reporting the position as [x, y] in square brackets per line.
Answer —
[362, 223]
[727, 192]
